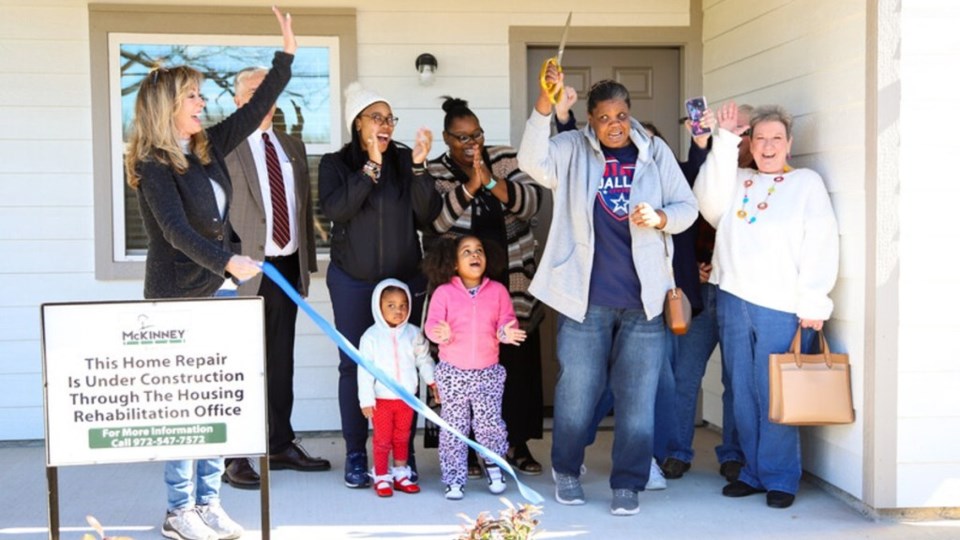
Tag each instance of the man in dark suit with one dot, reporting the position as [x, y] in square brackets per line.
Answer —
[272, 212]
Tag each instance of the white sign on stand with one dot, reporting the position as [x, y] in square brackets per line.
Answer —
[153, 380]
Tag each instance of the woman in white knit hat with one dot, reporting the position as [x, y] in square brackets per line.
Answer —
[378, 194]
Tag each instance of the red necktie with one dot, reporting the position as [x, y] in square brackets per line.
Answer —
[278, 195]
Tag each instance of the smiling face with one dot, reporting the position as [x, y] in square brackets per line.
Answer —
[610, 120]
[395, 307]
[471, 261]
[186, 117]
[769, 145]
[368, 127]
[463, 153]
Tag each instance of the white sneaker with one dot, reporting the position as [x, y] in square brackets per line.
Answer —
[454, 492]
[217, 519]
[186, 524]
[495, 482]
[656, 481]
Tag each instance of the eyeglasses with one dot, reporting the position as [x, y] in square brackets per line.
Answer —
[380, 120]
[464, 139]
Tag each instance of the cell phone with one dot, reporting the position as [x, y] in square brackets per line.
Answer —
[695, 109]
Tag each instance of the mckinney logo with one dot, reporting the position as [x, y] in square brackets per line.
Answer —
[146, 336]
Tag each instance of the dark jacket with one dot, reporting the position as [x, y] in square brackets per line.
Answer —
[188, 244]
[374, 233]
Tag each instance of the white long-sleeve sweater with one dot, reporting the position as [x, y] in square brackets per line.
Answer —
[788, 258]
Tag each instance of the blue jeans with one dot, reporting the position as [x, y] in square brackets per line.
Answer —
[749, 334]
[178, 475]
[619, 347]
[688, 360]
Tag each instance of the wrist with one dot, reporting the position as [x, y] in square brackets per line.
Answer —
[466, 192]
[491, 184]
[372, 169]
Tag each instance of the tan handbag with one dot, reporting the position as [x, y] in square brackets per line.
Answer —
[677, 313]
[810, 389]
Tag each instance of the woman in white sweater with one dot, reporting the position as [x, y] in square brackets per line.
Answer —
[775, 262]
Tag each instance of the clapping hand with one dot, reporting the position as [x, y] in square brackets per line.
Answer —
[513, 336]
[421, 149]
[441, 332]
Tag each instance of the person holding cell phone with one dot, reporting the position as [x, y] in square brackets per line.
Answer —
[175, 165]
[775, 262]
[616, 191]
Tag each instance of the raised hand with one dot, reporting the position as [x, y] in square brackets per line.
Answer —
[709, 121]
[421, 149]
[441, 332]
[373, 148]
[513, 336]
[727, 118]
[567, 100]
[554, 80]
[286, 28]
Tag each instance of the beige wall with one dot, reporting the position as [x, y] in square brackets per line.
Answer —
[928, 376]
[809, 57]
[46, 167]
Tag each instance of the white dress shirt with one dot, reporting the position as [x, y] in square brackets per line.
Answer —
[271, 249]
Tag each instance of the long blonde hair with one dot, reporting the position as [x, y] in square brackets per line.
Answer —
[153, 133]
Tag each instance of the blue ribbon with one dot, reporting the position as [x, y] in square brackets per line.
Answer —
[411, 400]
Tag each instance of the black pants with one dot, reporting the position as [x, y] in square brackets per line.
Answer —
[352, 316]
[523, 391]
[280, 321]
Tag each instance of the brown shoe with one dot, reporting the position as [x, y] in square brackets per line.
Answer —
[240, 474]
[296, 458]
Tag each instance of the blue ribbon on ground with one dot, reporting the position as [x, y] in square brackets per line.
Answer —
[411, 400]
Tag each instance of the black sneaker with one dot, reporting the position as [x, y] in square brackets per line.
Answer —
[779, 499]
[355, 470]
[740, 489]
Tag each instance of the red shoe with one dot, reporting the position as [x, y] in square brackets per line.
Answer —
[382, 486]
[402, 482]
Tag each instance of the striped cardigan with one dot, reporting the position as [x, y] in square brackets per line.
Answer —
[523, 203]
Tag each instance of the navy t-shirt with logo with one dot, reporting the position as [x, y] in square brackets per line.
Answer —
[613, 280]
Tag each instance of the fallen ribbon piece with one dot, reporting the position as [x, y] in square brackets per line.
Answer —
[418, 406]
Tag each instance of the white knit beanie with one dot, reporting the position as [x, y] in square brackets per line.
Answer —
[357, 99]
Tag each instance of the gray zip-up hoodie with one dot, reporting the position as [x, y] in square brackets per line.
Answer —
[571, 165]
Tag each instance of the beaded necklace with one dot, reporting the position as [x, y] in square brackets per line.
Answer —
[762, 205]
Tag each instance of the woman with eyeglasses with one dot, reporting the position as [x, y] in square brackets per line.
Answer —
[378, 194]
[487, 195]
[616, 191]
[183, 190]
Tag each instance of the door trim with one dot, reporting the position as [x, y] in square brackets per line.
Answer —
[689, 39]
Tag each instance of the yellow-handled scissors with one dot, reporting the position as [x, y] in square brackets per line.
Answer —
[554, 90]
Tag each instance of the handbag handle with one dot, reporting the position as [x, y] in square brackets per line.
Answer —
[666, 254]
[824, 348]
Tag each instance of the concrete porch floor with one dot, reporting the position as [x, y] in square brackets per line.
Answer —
[129, 500]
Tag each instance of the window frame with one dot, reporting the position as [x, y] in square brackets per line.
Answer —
[107, 19]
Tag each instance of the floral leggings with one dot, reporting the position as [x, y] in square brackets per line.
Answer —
[466, 394]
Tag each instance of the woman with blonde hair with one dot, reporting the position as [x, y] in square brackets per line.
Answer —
[176, 167]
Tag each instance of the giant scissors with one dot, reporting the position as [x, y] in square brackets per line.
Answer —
[555, 90]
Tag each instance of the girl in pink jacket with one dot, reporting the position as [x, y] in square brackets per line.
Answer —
[469, 316]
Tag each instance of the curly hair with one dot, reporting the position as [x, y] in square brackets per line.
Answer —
[440, 263]
[153, 134]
